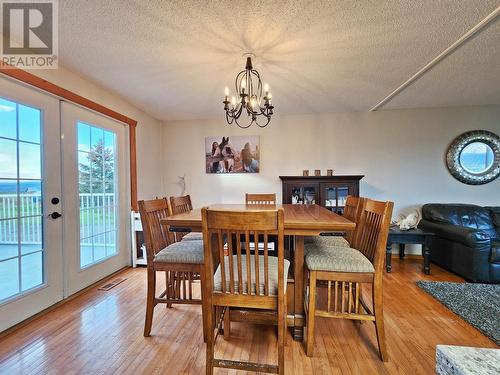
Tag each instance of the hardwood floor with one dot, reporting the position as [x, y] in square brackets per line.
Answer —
[100, 332]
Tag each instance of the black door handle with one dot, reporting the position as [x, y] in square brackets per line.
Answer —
[55, 215]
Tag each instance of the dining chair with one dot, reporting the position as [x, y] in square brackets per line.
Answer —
[182, 261]
[344, 269]
[243, 279]
[179, 205]
[260, 199]
[352, 212]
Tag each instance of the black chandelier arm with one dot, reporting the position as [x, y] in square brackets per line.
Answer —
[243, 126]
[229, 119]
[238, 92]
[267, 122]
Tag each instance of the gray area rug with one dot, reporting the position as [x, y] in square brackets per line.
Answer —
[478, 304]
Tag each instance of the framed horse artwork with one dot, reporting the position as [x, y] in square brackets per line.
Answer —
[232, 154]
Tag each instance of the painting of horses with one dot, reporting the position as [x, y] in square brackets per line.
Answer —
[232, 154]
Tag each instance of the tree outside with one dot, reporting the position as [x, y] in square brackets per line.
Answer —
[97, 175]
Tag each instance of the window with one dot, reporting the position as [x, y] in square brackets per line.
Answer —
[21, 224]
[97, 197]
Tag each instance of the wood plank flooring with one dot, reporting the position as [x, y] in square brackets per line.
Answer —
[100, 332]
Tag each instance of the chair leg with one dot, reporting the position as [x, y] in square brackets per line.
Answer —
[210, 339]
[311, 312]
[227, 324]
[204, 309]
[281, 336]
[167, 283]
[150, 305]
[379, 320]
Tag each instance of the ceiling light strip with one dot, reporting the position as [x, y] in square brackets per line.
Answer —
[487, 20]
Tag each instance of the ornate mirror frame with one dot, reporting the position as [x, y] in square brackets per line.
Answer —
[456, 148]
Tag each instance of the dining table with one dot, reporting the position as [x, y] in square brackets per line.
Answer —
[300, 220]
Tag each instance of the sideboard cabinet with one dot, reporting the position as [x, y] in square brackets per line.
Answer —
[328, 191]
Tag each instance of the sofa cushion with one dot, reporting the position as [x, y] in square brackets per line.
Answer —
[495, 252]
[272, 270]
[181, 252]
[462, 215]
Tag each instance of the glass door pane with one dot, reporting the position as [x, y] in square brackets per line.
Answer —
[304, 195]
[21, 214]
[96, 188]
[342, 193]
[330, 197]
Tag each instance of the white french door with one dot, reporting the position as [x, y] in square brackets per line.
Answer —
[31, 277]
[95, 196]
[64, 200]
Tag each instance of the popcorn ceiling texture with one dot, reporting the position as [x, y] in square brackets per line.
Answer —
[174, 58]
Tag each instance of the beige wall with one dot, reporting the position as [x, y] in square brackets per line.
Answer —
[148, 128]
[400, 152]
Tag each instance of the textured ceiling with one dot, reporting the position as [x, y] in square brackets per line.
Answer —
[174, 58]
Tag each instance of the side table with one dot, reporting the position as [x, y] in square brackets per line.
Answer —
[411, 236]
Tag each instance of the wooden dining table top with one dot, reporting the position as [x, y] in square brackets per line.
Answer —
[298, 218]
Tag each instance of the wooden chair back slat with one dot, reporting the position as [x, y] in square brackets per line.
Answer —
[156, 235]
[256, 259]
[249, 263]
[266, 265]
[352, 212]
[231, 261]
[220, 243]
[238, 260]
[238, 230]
[373, 229]
[260, 199]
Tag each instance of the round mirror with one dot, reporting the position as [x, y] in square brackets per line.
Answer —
[474, 157]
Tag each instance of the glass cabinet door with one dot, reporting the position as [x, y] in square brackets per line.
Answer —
[334, 197]
[304, 194]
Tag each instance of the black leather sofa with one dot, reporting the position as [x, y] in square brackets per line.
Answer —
[466, 241]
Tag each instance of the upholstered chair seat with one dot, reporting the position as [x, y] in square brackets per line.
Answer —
[181, 252]
[337, 259]
[193, 236]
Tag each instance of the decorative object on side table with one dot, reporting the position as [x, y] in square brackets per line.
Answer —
[317, 172]
[305, 172]
[409, 221]
[412, 236]
[474, 157]
[329, 172]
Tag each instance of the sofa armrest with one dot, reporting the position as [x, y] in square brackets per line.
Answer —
[470, 237]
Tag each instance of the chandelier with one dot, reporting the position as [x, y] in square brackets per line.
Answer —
[250, 99]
